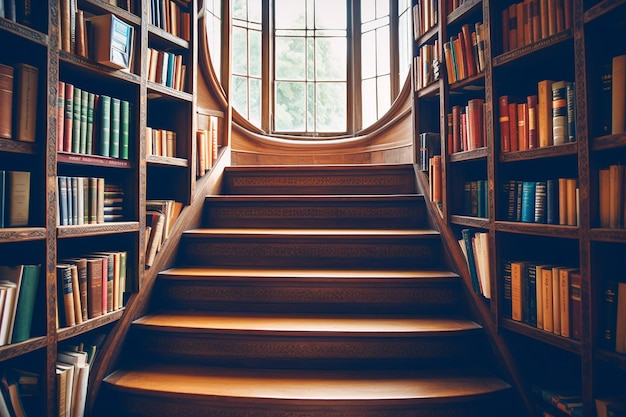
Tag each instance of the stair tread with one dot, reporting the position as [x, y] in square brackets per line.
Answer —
[305, 274]
[305, 233]
[184, 380]
[316, 197]
[306, 324]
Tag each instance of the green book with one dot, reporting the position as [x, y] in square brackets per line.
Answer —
[26, 303]
[124, 128]
[76, 124]
[104, 144]
[115, 127]
[84, 100]
[90, 111]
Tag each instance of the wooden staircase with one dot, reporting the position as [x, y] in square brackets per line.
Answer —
[308, 292]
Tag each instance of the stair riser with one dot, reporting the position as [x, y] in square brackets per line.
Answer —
[259, 295]
[284, 182]
[344, 215]
[311, 352]
[150, 406]
[342, 252]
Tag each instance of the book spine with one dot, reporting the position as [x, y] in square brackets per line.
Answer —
[552, 202]
[556, 300]
[505, 140]
[76, 120]
[124, 128]
[531, 294]
[27, 79]
[618, 94]
[18, 183]
[528, 201]
[91, 102]
[516, 291]
[471, 261]
[6, 101]
[65, 285]
[608, 314]
[540, 201]
[68, 127]
[559, 112]
[115, 127]
[570, 92]
[84, 104]
[544, 113]
[605, 113]
[507, 290]
[105, 126]
[533, 140]
[513, 127]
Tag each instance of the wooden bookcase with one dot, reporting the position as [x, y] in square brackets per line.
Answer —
[142, 177]
[589, 39]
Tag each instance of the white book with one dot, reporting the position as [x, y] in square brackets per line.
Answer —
[10, 277]
[77, 360]
[69, 384]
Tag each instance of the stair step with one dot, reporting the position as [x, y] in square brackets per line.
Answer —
[319, 180]
[307, 290]
[311, 341]
[330, 248]
[167, 390]
[386, 211]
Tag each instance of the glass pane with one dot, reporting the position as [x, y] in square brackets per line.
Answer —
[240, 51]
[289, 14]
[255, 53]
[403, 5]
[330, 59]
[368, 10]
[290, 59]
[368, 55]
[310, 59]
[310, 14]
[254, 11]
[255, 102]
[382, 51]
[310, 107]
[290, 107]
[240, 9]
[368, 94]
[240, 95]
[213, 30]
[331, 107]
[382, 8]
[330, 14]
[384, 95]
[404, 33]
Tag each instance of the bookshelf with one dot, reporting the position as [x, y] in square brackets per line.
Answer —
[50, 236]
[575, 49]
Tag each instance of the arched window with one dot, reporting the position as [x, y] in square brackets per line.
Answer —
[317, 67]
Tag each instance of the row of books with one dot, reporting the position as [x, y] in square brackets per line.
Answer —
[207, 144]
[464, 54]
[425, 16]
[426, 65]
[19, 392]
[558, 400]
[73, 366]
[88, 200]
[18, 11]
[160, 142]
[170, 16]
[530, 21]
[612, 190]
[166, 68]
[160, 218]
[613, 96]
[90, 286]
[475, 247]
[18, 100]
[430, 145]
[92, 124]
[14, 198]
[545, 296]
[552, 201]
[543, 119]
[613, 316]
[475, 199]
[18, 291]
[467, 126]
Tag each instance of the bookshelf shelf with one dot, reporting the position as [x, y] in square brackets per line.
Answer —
[88, 66]
[22, 234]
[17, 349]
[91, 324]
[474, 154]
[469, 221]
[166, 161]
[565, 232]
[102, 7]
[608, 142]
[65, 232]
[615, 359]
[467, 8]
[608, 235]
[158, 91]
[565, 343]
[431, 90]
[22, 31]
[474, 83]
[93, 160]
[537, 153]
[428, 36]
[166, 39]
[514, 55]
[16, 146]
[602, 9]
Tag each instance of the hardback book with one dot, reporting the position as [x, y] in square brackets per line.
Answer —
[522, 126]
[124, 128]
[513, 127]
[94, 287]
[505, 29]
[66, 294]
[559, 112]
[113, 41]
[81, 268]
[570, 92]
[544, 113]
[540, 201]
[620, 323]
[104, 119]
[18, 195]
[552, 202]
[430, 145]
[475, 123]
[78, 359]
[563, 201]
[517, 274]
[572, 202]
[78, 96]
[618, 94]
[505, 140]
[115, 127]
[471, 261]
[110, 260]
[84, 105]
[565, 306]
[78, 316]
[533, 140]
[26, 303]
[556, 300]
[539, 292]
[60, 114]
[68, 119]
[529, 294]
[506, 290]
[605, 126]
[65, 382]
[576, 315]
[513, 28]
[91, 104]
[548, 306]
[26, 79]
[528, 201]
[6, 101]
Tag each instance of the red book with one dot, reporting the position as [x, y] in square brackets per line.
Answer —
[469, 55]
[450, 146]
[505, 139]
[475, 123]
[463, 128]
[513, 127]
[522, 126]
[69, 116]
[505, 30]
[513, 26]
[456, 124]
[531, 122]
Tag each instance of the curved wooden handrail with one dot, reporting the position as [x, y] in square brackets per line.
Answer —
[137, 304]
[481, 313]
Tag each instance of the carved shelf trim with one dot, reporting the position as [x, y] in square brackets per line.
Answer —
[97, 160]
[97, 229]
[167, 161]
[20, 234]
[537, 153]
[510, 56]
[461, 11]
[84, 327]
[538, 229]
[541, 335]
[470, 221]
[18, 349]
[479, 153]
[17, 146]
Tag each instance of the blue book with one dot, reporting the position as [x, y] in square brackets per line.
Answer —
[62, 196]
[552, 202]
[471, 262]
[529, 294]
[570, 93]
[528, 201]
